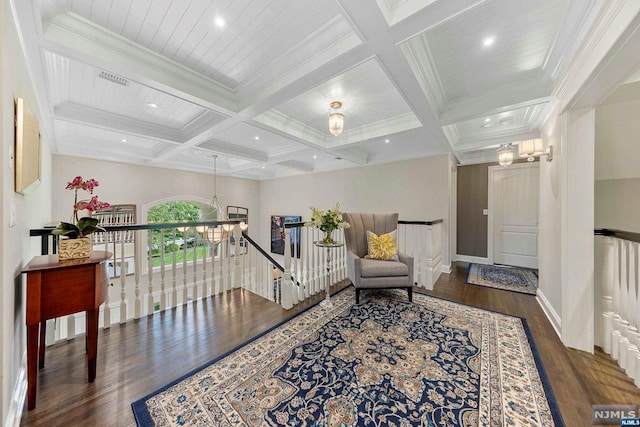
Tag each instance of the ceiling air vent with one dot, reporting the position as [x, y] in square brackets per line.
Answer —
[113, 78]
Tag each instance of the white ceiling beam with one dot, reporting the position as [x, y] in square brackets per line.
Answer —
[76, 113]
[353, 154]
[253, 102]
[428, 17]
[500, 100]
[369, 21]
[467, 144]
[77, 38]
[234, 151]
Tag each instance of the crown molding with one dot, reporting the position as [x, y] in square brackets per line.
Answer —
[606, 24]
[421, 61]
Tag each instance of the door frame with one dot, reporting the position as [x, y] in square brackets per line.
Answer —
[492, 194]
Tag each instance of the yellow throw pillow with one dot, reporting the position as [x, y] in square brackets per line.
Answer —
[382, 247]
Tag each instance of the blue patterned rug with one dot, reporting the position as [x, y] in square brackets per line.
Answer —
[505, 278]
[383, 362]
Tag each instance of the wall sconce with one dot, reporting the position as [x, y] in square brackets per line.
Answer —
[549, 153]
[530, 148]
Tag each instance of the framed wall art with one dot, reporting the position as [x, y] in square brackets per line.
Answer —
[27, 149]
[277, 234]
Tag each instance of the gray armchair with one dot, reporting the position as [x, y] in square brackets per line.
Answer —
[367, 273]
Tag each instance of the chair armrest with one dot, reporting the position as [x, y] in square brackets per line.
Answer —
[354, 267]
[408, 260]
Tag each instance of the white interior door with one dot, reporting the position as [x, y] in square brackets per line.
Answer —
[513, 214]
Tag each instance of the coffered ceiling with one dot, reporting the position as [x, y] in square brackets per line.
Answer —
[171, 83]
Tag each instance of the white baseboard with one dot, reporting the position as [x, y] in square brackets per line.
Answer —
[445, 268]
[553, 317]
[474, 259]
[14, 415]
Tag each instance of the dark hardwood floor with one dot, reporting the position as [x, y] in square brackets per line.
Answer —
[141, 356]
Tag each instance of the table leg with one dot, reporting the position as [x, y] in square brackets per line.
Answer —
[326, 302]
[92, 341]
[32, 364]
[43, 332]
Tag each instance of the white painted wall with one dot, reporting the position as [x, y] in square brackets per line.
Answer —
[146, 186]
[577, 240]
[418, 189]
[16, 249]
[550, 289]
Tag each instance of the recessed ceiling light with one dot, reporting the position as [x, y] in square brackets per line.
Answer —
[123, 140]
[505, 121]
[152, 105]
[386, 141]
[487, 120]
[256, 138]
[315, 157]
[264, 167]
[219, 21]
[488, 41]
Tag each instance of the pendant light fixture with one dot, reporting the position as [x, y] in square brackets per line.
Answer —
[505, 155]
[336, 118]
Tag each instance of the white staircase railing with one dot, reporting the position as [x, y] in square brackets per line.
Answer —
[308, 269]
[157, 267]
[619, 298]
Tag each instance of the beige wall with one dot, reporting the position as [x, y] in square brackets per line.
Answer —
[617, 186]
[147, 186]
[418, 189]
[30, 211]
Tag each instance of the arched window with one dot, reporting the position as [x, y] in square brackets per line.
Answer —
[176, 241]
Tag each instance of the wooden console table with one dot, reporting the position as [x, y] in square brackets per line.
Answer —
[58, 288]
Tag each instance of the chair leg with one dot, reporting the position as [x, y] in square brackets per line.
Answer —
[410, 292]
[357, 296]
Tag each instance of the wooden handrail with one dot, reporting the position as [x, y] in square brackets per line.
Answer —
[435, 221]
[620, 234]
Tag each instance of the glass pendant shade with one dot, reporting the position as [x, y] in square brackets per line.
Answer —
[530, 148]
[505, 155]
[336, 119]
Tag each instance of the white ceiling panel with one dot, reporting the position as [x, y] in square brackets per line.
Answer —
[130, 99]
[366, 93]
[521, 43]
[414, 72]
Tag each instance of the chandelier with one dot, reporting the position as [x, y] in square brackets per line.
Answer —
[505, 155]
[336, 118]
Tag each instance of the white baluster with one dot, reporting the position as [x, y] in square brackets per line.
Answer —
[163, 293]
[185, 286]
[137, 306]
[607, 291]
[123, 281]
[150, 271]
[174, 270]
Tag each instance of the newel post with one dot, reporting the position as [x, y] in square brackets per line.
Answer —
[287, 285]
[237, 271]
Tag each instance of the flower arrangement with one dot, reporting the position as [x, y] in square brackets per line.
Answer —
[81, 227]
[327, 221]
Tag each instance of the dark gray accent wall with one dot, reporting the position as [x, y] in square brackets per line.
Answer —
[473, 189]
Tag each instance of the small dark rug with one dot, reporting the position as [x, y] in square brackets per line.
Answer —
[383, 362]
[506, 278]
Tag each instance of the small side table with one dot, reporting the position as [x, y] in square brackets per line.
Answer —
[326, 302]
[57, 288]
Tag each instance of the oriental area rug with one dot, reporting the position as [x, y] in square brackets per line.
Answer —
[505, 278]
[382, 362]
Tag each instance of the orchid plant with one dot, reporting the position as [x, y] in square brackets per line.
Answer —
[81, 227]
